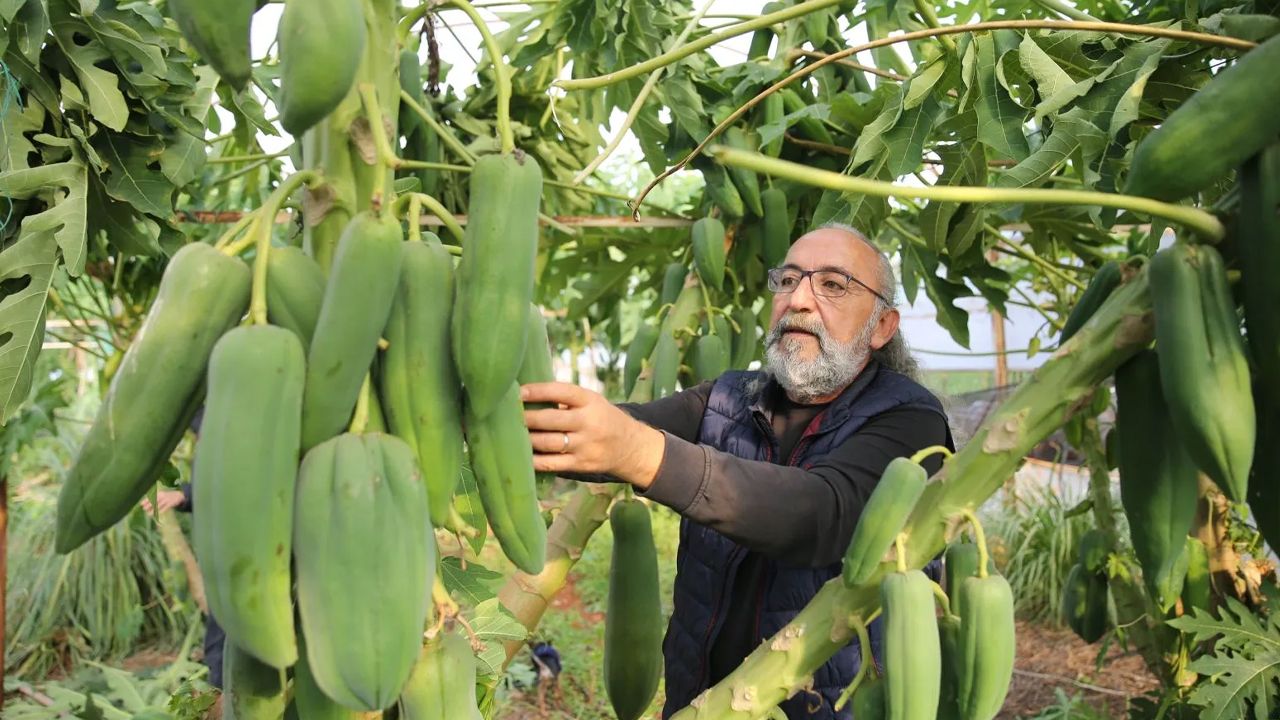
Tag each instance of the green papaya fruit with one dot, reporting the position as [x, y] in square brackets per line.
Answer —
[250, 690]
[1215, 130]
[153, 394]
[1203, 369]
[502, 460]
[900, 486]
[911, 646]
[357, 302]
[638, 351]
[420, 385]
[220, 33]
[246, 463]
[633, 624]
[295, 291]
[495, 276]
[360, 524]
[443, 683]
[1100, 287]
[708, 251]
[321, 43]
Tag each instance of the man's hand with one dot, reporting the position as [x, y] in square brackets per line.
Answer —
[601, 438]
[165, 500]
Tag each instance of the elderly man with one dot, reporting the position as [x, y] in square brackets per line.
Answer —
[769, 470]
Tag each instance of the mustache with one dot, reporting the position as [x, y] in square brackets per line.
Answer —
[811, 325]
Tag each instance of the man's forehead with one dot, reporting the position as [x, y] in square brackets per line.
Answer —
[832, 248]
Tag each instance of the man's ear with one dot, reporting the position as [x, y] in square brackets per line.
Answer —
[886, 327]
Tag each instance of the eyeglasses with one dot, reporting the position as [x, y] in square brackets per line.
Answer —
[827, 283]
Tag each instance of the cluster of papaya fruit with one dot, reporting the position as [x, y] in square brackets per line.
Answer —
[336, 422]
[1205, 399]
[955, 665]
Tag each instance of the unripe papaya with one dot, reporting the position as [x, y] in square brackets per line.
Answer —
[443, 683]
[708, 251]
[883, 517]
[666, 365]
[710, 358]
[745, 340]
[1196, 590]
[868, 700]
[633, 624]
[309, 701]
[1264, 486]
[357, 302]
[949, 641]
[1105, 280]
[154, 392]
[641, 347]
[1159, 484]
[672, 282]
[246, 462]
[719, 188]
[810, 127]
[251, 690]
[220, 33]
[774, 113]
[911, 646]
[1213, 131]
[420, 386]
[745, 180]
[1257, 239]
[1203, 369]
[536, 366]
[502, 460]
[777, 227]
[986, 648]
[360, 523]
[959, 562]
[321, 43]
[495, 276]
[295, 291]
[1084, 603]
[1093, 551]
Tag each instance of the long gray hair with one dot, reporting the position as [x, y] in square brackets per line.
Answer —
[895, 355]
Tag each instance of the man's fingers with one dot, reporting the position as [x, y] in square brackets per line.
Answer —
[550, 442]
[555, 462]
[556, 392]
[552, 420]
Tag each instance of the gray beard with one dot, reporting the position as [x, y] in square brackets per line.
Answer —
[835, 366]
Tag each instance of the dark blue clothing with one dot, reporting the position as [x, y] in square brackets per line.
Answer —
[729, 484]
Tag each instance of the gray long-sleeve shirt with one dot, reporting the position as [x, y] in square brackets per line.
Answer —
[795, 515]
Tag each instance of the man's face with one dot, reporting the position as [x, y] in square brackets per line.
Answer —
[818, 344]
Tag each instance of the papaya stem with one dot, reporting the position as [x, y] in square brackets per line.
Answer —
[634, 111]
[882, 42]
[360, 419]
[438, 209]
[1199, 221]
[415, 218]
[386, 156]
[931, 450]
[446, 135]
[900, 547]
[943, 601]
[864, 643]
[930, 16]
[679, 53]
[260, 234]
[981, 537]
[224, 240]
[506, 137]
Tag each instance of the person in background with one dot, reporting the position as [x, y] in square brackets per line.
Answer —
[769, 469]
[180, 501]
